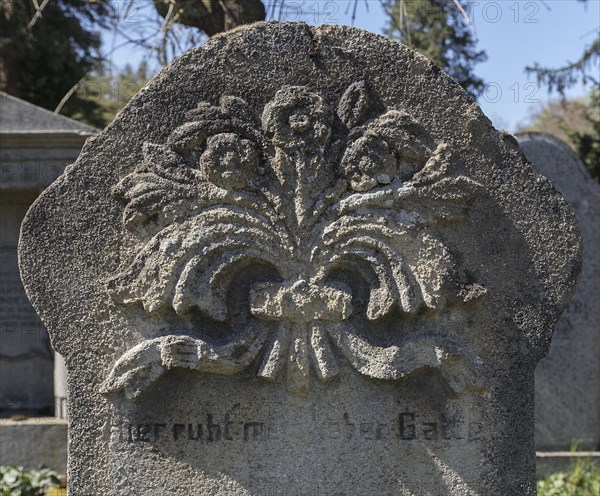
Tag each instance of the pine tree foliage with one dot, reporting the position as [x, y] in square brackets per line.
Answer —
[439, 30]
[46, 47]
[587, 142]
[585, 70]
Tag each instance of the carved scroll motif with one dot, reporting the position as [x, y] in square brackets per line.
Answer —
[319, 197]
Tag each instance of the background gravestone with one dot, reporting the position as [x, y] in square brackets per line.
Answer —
[35, 147]
[567, 388]
[301, 261]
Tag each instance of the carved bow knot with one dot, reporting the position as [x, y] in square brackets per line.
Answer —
[301, 302]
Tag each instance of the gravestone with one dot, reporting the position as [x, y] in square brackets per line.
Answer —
[567, 381]
[35, 147]
[301, 261]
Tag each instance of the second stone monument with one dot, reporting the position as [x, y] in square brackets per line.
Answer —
[301, 261]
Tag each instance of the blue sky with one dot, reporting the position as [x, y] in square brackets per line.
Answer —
[514, 34]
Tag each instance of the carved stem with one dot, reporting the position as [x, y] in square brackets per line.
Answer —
[299, 362]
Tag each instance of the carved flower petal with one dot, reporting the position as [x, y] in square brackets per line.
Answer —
[166, 163]
[297, 119]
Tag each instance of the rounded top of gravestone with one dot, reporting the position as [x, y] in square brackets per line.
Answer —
[558, 162]
[284, 176]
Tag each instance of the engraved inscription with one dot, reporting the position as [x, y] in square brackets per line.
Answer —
[212, 430]
[407, 425]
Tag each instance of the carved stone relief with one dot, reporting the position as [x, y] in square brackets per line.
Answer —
[326, 200]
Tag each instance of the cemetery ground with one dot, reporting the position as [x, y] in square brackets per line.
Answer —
[582, 479]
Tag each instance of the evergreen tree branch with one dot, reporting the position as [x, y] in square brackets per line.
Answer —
[562, 78]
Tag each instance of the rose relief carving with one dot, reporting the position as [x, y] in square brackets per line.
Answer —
[338, 208]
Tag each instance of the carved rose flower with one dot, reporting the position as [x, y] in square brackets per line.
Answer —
[368, 162]
[297, 119]
[229, 161]
[392, 146]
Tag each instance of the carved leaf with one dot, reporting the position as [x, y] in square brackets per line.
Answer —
[204, 282]
[373, 242]
[165, 271]
[165, 163]
[404, 134]
[459, 189]
[238, 107]
[194, 134]
[163, 179]
[372, 268]
[435, 271]
[354, 105]
[233, 116]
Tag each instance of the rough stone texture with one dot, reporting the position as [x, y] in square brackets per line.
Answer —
[567, 381]
[301, 261]
[35, 147]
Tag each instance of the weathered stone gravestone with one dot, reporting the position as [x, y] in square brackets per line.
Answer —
[301, 261]
[35, 147]
[567, 381]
